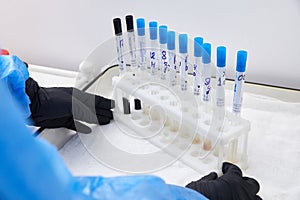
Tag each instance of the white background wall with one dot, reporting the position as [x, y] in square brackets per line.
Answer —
[61, 33]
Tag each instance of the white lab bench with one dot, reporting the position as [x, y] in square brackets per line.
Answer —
[269, 163]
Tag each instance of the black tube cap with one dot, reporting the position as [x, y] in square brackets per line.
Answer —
[126, 106]
[137, 104]
[117, 26]
[129, 22]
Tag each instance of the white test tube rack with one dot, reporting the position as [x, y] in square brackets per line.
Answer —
[180, 124]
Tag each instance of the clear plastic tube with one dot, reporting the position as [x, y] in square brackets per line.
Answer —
[120, 44]
[153, 49]
[131, 42]
[142, 43]
[163, 34]
[239, 81]
[220, 76]
[172, 58]
[183, 44]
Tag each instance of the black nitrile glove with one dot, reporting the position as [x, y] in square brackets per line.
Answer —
[230, 186]
[62, 106]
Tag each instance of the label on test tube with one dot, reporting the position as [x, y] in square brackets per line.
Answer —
[132, 50]
[142, 42]
[220, 90]
[197, 76]
[120, 47]
[239, 80]
[163, 34]
[183, 71]
[220, 76]
[172, 58]
[172, 67]
[206, 74]
[206, 78]
[153, 51]
[238, 92]
[153, 57]
[198, 42]
[120, 44]
[164, 61]
[183, 60]
[131, 41]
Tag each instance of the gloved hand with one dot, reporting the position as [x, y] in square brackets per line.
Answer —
[63, 106]
[230, 186]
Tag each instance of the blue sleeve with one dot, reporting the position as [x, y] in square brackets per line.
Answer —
[134, 188]
[32, 169]
[15, 73]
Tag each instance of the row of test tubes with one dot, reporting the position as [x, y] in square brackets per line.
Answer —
[162, 58]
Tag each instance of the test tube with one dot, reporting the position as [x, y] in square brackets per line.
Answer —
[198, 42]
[220, 94]
[163, 34]
[172, 58]
[120, 44]
[183, 44]
[131, 41]
[132, 49]
[220, 76]
[142, 43]
[153, 51]
[206, 74]
[237, 102]
[206, 78]
[239, 80]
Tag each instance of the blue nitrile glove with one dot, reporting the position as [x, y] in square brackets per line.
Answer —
[14, 73]
[32, 169]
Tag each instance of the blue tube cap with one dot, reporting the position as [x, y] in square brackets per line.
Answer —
[198, 42]
[171, 40]
[153, 30]
[221, 56]
[163, 32]
[206, 53]
[183, 43]
[140, 23]
[241, 61]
